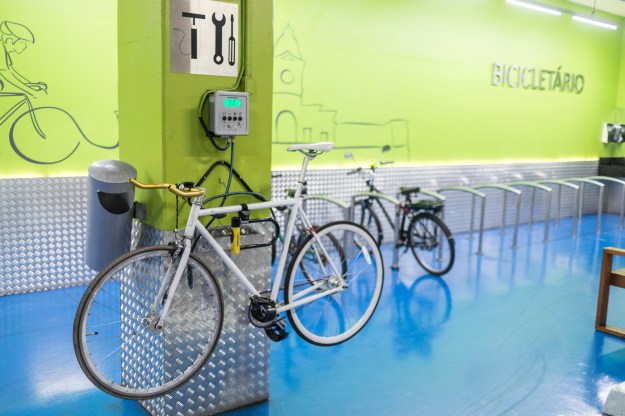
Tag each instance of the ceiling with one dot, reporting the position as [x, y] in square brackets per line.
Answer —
[616, 7]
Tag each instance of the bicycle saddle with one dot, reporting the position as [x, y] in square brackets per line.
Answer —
[317, 147]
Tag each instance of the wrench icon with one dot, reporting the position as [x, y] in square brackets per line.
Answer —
[219, 24]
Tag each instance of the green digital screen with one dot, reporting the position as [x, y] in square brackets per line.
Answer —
[232, 102]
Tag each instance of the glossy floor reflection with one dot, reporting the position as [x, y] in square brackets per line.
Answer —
[508, 332]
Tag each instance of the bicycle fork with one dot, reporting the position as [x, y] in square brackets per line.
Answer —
[170, 284]
[168, 288]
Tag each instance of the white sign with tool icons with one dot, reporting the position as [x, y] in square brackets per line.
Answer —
[204, 37]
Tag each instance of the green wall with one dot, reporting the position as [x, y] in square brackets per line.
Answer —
[417, 74]
[75, 54]
[159, 130]
[619, 111]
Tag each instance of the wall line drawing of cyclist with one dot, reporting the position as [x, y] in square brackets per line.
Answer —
[14, 39]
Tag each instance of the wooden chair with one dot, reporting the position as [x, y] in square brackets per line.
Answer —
[609, 278]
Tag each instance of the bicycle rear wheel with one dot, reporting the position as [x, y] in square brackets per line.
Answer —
[335, 317]
[364, 215]
[115, 341]
[432, 243]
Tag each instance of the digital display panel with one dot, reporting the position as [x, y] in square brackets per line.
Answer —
[232, 102]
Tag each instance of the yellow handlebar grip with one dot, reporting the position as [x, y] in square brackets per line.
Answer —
[185, 193]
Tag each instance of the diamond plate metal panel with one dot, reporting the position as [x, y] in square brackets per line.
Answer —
[43, 220]
[42, 234]
[238, 372]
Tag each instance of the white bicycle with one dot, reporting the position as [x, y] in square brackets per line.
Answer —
[166, 299]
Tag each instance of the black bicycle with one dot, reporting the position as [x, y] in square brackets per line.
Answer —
[420, 228]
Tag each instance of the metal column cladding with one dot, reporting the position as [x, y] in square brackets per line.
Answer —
[237, 374]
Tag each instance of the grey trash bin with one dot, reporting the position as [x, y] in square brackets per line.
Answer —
[109, 211]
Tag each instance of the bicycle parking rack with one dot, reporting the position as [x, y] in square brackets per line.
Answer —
[560, 184]
[535, 186]
[614, 180]
[432, 194]
[475, 194]
[395, 202]
[507, 189]
[580, 198]
[367, 194]
[344, 207]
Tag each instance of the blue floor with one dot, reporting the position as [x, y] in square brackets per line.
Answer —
[509, 332]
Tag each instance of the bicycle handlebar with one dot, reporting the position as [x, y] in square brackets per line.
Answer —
[351, 172]
[184, 193]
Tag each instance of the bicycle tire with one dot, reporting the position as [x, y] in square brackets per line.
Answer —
[319, 321]
[119, 353]
[364, 215]
[432, 243]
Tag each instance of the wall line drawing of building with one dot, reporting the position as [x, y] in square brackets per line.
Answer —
[297, 122]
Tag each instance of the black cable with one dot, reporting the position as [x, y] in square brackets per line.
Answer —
[256, 195]
[208, 133]
[223, 201]
[217, 146]
[225, 194]
[237, 176]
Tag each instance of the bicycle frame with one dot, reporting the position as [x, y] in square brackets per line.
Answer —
[374, 195]
[376, 199]
[194, 225]
[17, 106]
[403, 211]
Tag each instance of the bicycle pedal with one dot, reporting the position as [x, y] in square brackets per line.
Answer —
[262, 310]
[277, 332]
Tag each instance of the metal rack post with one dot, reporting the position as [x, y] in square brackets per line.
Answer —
[580, 199]
[619, 181]
[507, 189]
[535, 186]
[474, 194]
[560, 184]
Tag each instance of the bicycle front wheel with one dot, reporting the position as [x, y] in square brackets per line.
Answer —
[115, 341]
[329, 310]
[432, 243]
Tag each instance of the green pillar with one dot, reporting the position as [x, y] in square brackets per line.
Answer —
[159, 131]
[620, 99]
